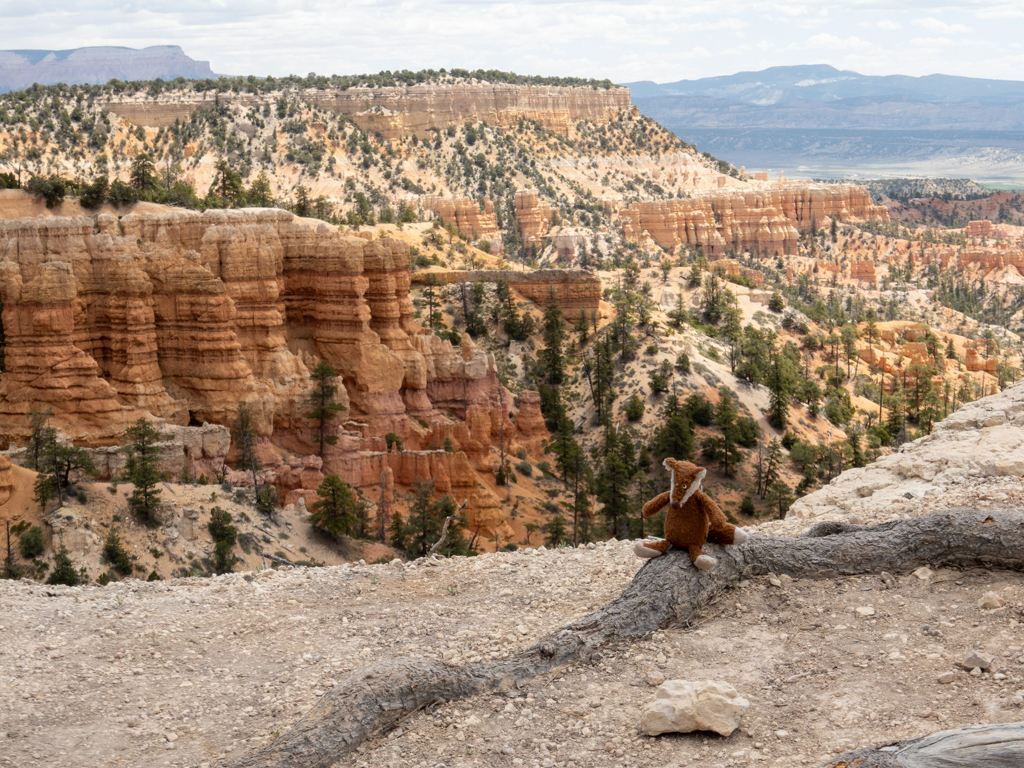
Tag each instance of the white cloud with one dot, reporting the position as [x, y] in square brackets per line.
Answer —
[631, 40]
[886, 24]
[829, 41]
[940, 27]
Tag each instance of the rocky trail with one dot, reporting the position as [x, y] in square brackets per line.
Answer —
[202, 671]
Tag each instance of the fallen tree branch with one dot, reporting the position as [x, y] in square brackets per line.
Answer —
[666, 592]
[1000, 745]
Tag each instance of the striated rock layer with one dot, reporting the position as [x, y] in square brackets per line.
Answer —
[764, 220]
[574, 290]
[181, 316]
[465, 213]
[400, 111]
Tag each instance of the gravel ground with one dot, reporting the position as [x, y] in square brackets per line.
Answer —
[198, 671]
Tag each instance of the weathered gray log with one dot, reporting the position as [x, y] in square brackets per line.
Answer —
[666, 592]
[1000, 745]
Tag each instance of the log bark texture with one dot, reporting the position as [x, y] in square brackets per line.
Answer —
[667, 592]
[1000, 745]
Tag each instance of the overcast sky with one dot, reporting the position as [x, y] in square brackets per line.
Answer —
[624, 41]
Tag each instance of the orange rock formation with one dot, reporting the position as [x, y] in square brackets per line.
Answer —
[183, 315]
[534, 217]
[766, 220]
[465, 213]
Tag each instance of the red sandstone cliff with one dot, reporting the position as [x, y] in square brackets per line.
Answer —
[183, 315]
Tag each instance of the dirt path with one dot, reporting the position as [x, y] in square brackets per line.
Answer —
[194, 672]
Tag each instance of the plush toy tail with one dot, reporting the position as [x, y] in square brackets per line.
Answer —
[648, 548]
[655, 505]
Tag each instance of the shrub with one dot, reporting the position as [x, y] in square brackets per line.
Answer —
[634, 408]
[31, 544]
[776, 303]
[700, 410]
[83, 499]
[448, 445]
[103, 579]
[391, 439]
[747, 507]
[524, 468]
[545, 467]
[153, 576]
[683, 363]
[652, 349]
[115, 554]
[63, 569]
[789, 440]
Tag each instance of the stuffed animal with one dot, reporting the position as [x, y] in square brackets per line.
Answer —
[692, 519]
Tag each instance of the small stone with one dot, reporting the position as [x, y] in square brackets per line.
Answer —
[682, 706]
[864, 611]
[977, 660]
[774, 582]
[924, 573]
[946, 678]
[655, 678]
[976, 672]
[782, 734]
[172, 737]
[991, 601]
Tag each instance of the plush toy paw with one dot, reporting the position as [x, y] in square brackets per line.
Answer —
[645, 552]
[705, 562]
[740, 536]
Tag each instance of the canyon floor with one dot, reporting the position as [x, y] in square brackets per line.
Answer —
[197, 672]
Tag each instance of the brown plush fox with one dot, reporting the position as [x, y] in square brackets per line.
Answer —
[692, 519]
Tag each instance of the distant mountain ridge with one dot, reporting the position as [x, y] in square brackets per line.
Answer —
[21, 68]
[823, 121]
[822, 83]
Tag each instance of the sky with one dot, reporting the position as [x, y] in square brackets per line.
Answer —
[624, 41]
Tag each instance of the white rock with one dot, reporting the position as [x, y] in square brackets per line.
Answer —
[924, 573]
[682, 706]
[977, 660]
[991, 601]
[865, 610]
[947, 677]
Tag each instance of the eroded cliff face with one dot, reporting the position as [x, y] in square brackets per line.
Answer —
[574, 290]
[409, 111]
[181, 316]
[766, 220]
[465, 213]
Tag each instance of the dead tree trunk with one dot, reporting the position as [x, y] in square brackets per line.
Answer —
[666, 592]
[1000, 745]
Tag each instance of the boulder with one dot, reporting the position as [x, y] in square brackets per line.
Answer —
[682, 706]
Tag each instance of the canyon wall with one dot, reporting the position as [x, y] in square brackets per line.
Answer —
[397, 112]
[574, 290]
[180, 316]
[767, 219]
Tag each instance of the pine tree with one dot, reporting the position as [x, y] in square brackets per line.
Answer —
[554, 532]
[115, 554]
[224, 535]
[779, 498]
[675, 438]
[426, 519]
[552, 356]
[141, 469]
[336, 512]
[724, 450]
[397, 532]
[243, 432]
[322, 401]
[64, 569]
[614, 479]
